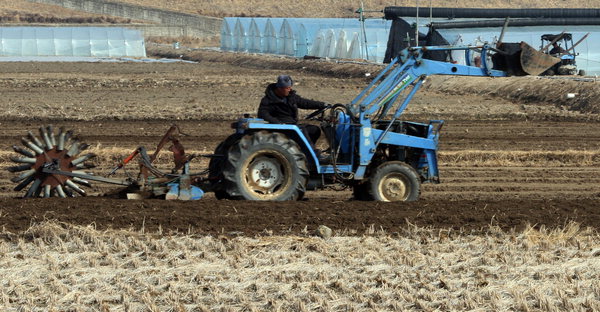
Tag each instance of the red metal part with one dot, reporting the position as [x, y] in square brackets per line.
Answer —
[179, 157]
[61, 158]
[178, 154]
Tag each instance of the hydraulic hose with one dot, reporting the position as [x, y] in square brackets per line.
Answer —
[518, 23]
[393, 12]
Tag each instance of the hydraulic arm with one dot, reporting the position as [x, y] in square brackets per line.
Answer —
[385, 89]
[390, 92]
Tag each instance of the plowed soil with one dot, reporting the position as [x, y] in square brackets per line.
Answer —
[225, 217]
[540, 178]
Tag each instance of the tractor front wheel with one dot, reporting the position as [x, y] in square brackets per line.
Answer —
[395, 181]
[265, 166]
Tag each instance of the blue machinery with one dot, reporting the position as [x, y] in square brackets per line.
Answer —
[380, 156]
[567, 55]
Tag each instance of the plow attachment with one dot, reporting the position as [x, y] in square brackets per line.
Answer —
[520, 59]
[59, 151]
[52, 166]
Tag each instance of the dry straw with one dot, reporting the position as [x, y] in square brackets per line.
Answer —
[63, 267]
[480, 158]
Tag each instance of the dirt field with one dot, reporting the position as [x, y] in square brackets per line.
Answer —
[502, 162]
[513, 225]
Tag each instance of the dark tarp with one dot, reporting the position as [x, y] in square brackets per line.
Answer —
[510, 60]
[402, 36]
[400, 32]
[435, 39]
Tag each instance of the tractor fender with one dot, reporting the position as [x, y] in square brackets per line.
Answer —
[294, 133]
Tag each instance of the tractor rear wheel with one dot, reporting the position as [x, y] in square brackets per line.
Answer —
[395, 181]
[265, 166]
[215, 166]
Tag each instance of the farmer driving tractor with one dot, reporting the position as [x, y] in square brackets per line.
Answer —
[280, 106]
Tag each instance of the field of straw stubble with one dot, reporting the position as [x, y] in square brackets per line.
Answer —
[59, 267]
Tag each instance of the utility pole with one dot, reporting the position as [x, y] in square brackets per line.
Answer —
[364, 31]
[430, 12]
[417, 26]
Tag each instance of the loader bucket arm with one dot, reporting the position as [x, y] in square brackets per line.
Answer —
[391, 92]
[405, 71]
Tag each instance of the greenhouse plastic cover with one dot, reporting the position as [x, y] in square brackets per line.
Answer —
[71, 41]
[325, 37]
[89, 59]
[227, 33]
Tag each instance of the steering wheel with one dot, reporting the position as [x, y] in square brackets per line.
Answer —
[314, 114]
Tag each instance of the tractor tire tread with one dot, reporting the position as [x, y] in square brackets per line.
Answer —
[249, 144]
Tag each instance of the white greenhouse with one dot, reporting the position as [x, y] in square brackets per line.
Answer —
[299, 37]
[71, 41]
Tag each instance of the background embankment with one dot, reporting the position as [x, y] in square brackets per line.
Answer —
[332, 8]
[25, 12]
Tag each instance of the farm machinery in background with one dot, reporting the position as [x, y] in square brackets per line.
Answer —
[553, 45]
[372, 150]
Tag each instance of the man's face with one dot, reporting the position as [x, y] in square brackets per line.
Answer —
[283, 91]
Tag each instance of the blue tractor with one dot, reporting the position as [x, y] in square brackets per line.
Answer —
[562, 47]
[373, 151]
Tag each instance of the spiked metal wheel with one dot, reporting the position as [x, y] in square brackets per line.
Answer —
[59, 153]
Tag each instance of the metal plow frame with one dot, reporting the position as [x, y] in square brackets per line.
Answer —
[54, 166]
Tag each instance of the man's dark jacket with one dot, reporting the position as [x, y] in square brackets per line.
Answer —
[276, 110]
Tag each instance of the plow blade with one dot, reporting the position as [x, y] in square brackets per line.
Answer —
[520, 59]
[534, 62]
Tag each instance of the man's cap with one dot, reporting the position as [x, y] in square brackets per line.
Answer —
[284, 81]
